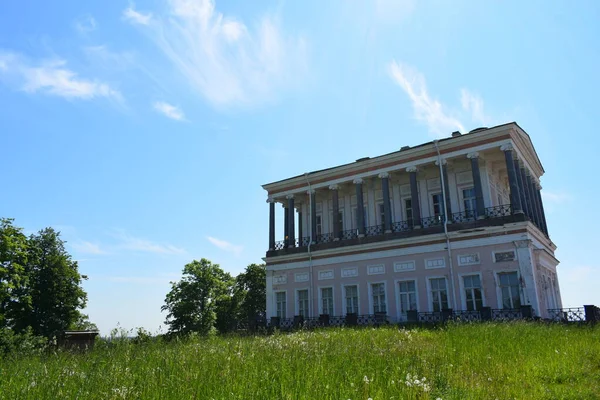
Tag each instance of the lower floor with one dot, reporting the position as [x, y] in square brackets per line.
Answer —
[499, 272]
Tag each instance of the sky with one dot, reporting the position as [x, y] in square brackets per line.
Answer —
[144, 131]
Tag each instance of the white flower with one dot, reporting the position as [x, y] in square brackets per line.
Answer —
[366, 379]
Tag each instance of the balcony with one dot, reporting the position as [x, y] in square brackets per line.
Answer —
[494, 216]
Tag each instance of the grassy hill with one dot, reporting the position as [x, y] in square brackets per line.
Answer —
[471, 361]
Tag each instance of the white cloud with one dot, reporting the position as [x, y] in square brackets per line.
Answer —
[129, 242]
[169, 110]
[84, 247]
[223, 59]
[473, 104]
[226, 246]
[426, 109]
[555, 197]
[85, 24]
[103, 57]
[53, 78]
[136, 17]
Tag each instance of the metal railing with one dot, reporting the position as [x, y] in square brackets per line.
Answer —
[401, 226]
[576, 314]
[498, 211]
[374, 230]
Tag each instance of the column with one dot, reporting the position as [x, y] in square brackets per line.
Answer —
[474, 157]
[521, 182]
[414, 197]
[534, 211]
[300, 228]
[387, 209]
[360, 208]
[335, 200]
[271, 202]
[313, 215]
[291, 225]
[534, 200]
[515, 196]
[286, 225]
[540, 200]
[444, 183]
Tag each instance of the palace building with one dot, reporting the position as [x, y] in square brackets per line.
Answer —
[455, 224]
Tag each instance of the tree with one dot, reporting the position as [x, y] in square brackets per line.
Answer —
[14, 301]
[54, 285]
[191, 304]
[251, 286]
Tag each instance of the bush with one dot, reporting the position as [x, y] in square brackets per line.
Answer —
[21, 344]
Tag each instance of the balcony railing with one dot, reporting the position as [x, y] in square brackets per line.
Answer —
[401, 226]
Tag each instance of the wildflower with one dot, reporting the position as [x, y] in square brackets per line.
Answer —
[366, 380]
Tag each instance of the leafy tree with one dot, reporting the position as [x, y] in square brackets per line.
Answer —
[192, 302]
[54, 285]
[14, 301]
[251, 289]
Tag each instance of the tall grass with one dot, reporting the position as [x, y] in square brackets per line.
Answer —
[482, 361]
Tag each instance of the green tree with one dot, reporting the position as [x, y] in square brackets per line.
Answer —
[191, 303]
[251, 290]
[54, 285]
[15, 303]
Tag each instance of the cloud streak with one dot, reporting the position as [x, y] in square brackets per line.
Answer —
[85, 24]
[83, 247]
[51, 78]
[226, 61]
[129, 242]
[225, 246]
[169, 111]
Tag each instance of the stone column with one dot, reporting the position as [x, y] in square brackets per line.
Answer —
[474, 157]
[536, 203]
[521, 185]
[527, 272]
[414, 197]
[300, 229]
[387, 210]
[515, 195]
[335, 200]
[313, 215]
[444, 183]
[271, 202]
[360, 207]
[534, 206]
[291, 224]
[540, 200]
[286, 225]
[526, 194]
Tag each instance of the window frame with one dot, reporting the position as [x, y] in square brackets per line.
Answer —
[344, 302]
[385, 296]
[463, 294]
[397, 292]
[499, 287]
[430, 293]
[297, 302]
[332, 299]
[276, 302]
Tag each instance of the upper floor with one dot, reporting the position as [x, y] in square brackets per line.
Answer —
[489, 176]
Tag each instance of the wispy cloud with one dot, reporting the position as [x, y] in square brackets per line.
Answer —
[426, 109]
[102, 56]
[555, 197]
[393, 10]
[226, 61]
[226, 246]
[52, 78]
[440, 119]
[85, 24]
[129, 242]
[169, 110]
[83, 247]
[136, 17]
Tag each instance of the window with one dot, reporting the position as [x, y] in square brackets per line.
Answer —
[351, 299]
[473, 297]
[341, 220]
[408, 209]
[355, 216]
[509, 288]
[469, 202]
[439, 294]
[319, 224]
[438, 204]
[381, 210]
[303, 303]
[378, 293]
[327, 301]
[408, 296]
[280, 304]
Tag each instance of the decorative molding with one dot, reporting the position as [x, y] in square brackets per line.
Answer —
[289, 196]
[464, 177]
[384, 175]
[504, 256]
[412, 169]
[444, 162]
[279, 279]
[327, 274]
[474, 154]
[358, 181]
[376, 269]
[433, 184]
[402, 266]
[435, 263]
[507, 147]
[349, 272]
[521, 244]
[301, 277]
[468, 259]
[334, 187]
[405, 190]
[311, 191]
[270, 200]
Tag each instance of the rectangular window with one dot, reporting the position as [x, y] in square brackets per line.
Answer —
[473, 296]
[469, 202]
[438, 205]
[341, 220]
[319, 224]
[327, 301]
[351, 299]
[408, 296]
[303, 303]
[355, 216]
[509, 287]
[381, 214]
[439, 294]
[408, 209]
[378, 293]
[280, 304]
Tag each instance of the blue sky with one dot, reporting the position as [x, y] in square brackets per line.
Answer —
[143, 131]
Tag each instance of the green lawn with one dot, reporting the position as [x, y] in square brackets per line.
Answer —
[478, 361]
